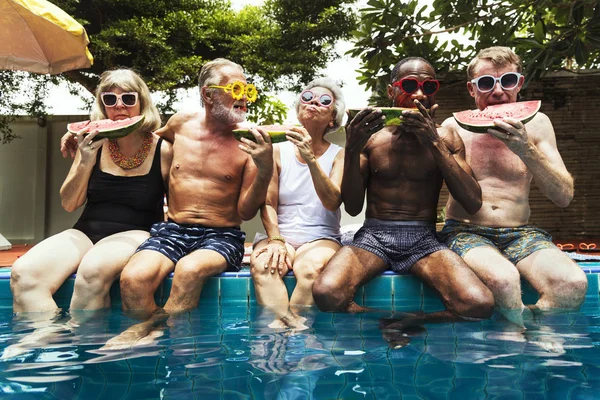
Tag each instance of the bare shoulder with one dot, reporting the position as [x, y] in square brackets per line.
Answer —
[180, 118]
[540, 128]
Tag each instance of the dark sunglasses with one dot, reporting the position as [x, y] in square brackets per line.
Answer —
[411, 85]
[486, 83]
[325, 100]
[109, 99]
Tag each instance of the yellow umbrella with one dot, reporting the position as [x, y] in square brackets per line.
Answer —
[37, 36]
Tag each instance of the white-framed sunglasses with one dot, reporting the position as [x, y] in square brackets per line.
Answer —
[486, 83]
[110, 99]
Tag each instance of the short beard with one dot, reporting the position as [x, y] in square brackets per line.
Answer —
[228, 116]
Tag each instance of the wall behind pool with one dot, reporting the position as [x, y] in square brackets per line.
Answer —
[32, 169]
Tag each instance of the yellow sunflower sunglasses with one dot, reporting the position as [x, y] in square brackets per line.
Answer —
[238, 89]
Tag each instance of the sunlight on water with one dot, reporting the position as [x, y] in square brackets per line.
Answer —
[231, 353]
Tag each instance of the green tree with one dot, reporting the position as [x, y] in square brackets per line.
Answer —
[549, 35]
[281, 44]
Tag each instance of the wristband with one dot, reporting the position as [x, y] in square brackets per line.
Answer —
[277, 238]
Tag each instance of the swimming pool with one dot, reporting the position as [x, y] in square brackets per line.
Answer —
[223, 350]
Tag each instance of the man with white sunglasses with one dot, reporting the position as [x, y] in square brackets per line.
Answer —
[496, 241]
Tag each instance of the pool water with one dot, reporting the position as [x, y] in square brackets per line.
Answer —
[228, 352]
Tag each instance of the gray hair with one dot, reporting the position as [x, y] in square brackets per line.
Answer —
[209, 73]
[339, 103]
[128, 81]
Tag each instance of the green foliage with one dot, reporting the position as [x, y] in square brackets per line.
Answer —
[281, 44]
[549, 35]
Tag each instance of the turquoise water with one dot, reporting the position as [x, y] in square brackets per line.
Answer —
[228, 352]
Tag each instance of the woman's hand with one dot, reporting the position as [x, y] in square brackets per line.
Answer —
[278, 258]
[300, 137]
[86, 146]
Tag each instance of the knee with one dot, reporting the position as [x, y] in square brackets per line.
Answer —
[134, 277]
[257, 268]
[23, 277]
[570, 291]
[191, 271]
[308, 270]
[92, 279]
[506, 283]
[328, 295]
[474, 302]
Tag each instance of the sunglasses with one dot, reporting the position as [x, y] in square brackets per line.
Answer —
[411, 85]
[486, 83]
[324, 100]
[109, 99]
[239, 89]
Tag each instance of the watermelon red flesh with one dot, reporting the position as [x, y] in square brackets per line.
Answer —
[482, 120]
[108, 128]
[277, 132]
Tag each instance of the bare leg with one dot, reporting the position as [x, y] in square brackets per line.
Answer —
[502, 278]
[463, 294]
[191, 272]
[101, 266]
[269, 287]
[310, 262]
[348, 269]
[559, 280]
[37, 275]
[140, 278]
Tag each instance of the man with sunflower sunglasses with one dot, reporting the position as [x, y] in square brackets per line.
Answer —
[215, 183]
[401, 169]
[496, 241]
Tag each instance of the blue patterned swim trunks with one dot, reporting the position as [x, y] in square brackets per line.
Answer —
[514, 243]
[399, 243]
[175, 241]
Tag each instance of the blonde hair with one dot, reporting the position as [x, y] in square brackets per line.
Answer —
[499, 56]
[128, 81]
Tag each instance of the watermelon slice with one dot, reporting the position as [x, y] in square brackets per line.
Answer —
[393, 115]
[277, 132]
[481, 120]
[108, 128]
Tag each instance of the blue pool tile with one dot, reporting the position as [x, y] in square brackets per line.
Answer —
[210, 291]
[592, 285]
[379, 292]
[234, 290]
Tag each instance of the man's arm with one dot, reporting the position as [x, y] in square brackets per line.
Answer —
[356, 162]
[257, 174]
[448, 151]
[540, 154]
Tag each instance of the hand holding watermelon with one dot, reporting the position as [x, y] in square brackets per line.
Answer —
[513, 133]
[88, 148]
[421, 123]
[359, 130]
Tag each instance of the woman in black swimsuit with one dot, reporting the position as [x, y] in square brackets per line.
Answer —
[122, 184]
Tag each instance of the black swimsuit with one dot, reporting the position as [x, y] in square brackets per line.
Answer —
[122, 203]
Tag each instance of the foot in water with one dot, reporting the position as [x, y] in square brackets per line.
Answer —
[397, 332]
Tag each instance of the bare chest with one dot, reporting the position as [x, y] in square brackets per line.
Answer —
[491, 158]
[216, 159]
[393, 158]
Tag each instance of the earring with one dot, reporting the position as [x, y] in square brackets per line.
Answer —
[331, 123]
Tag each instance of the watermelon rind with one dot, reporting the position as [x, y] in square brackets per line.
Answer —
[277, 135]
[108, 128]
[479, 121]
[393, 115]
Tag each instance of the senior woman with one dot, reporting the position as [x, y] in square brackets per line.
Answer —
[301, 215]
[122, 184]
